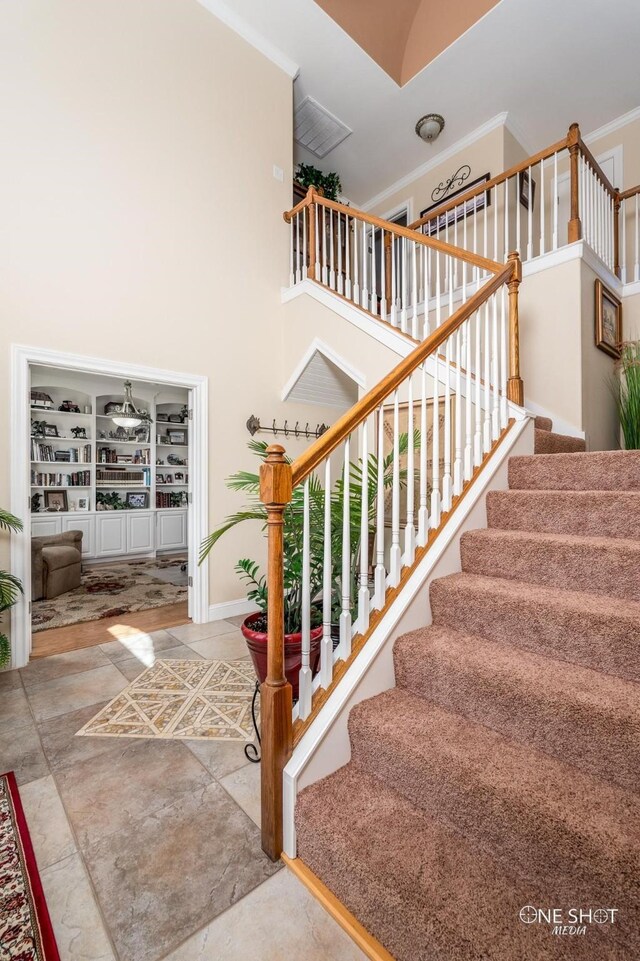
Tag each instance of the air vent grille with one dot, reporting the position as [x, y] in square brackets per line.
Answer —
[316, 129]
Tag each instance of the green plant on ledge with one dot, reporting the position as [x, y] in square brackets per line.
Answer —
[626, 388]
[10, 586]
[249, 570]
[309, 176]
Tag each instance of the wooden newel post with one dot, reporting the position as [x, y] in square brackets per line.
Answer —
[311, 234]
[575, 224]
[387, 269]
[515, 387]
[276, 701]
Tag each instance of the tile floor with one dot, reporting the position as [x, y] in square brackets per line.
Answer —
[149, 850]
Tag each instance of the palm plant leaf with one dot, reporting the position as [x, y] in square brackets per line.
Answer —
[9, 522]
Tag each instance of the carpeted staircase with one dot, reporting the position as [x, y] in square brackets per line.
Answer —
[504, 768]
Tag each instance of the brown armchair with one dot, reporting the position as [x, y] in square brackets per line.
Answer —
[56, 564]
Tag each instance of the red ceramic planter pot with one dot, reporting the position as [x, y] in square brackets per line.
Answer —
[257, 644]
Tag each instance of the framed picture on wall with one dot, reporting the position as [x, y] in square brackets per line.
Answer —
[608, 320]
[472, 206]
[526, 190]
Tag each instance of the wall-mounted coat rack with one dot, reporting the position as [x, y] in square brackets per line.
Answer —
[255, 427]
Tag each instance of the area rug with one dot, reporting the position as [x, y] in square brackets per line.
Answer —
[25, 927]
[203, 700]
[111, 590]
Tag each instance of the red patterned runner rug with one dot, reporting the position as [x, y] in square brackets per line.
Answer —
[25, 927]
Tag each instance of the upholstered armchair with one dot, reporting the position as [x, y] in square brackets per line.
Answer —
[56, 564]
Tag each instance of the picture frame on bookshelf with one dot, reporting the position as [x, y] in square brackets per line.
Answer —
[177, 437]
[161, 479]
[82, 504]
[51, 430]
[142, 434]
[56, 501]
[137, 500]
[163, 439]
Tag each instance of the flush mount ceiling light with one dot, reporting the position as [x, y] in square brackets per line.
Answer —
[429, 127]
[129, 415]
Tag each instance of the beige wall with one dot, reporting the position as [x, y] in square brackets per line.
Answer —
[599, 415]
[631, 318]
[140, 218]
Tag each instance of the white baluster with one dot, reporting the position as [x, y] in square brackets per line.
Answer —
[636, 267]
[623, 249]
[504, 412]
[363, 593]
[410, 530]
[340, 278]
[304, 243]
[423, 512]
[457, 463]
[496, 255]
[364, 293]
[542, 210]
[495, 370]
[477, 437]
[292, 275]
[326, 649]
[383, 278]
[304, 678]
[374, 281]
[447, 480]
[395, 559]
[427, 282]
[298, 271]
[436, 505]
[486, 436]
[455, 244]
[380, 572]
[403, 285]
[316, 253]
[332, 253]
[414, 291]
[507, 249]
[555, 201]
[347, 257]
[355, 292]
[529, 217]
[516, 180]
[468, 448]
[345, 586]
[393, 317]
[325, 272]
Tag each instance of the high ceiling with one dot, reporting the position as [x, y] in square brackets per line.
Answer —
[545, 62]
[404, 36]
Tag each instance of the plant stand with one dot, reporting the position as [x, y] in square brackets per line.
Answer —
[251, 750]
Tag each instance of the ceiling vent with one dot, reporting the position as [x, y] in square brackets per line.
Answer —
[317, 130]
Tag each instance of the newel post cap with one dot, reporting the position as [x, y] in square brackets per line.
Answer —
[275, 477]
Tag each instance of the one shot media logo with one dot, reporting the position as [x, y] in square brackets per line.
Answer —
[567, 921]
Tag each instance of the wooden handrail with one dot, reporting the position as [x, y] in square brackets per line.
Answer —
[489, 184]
[631, 192]
[597, 169]
[345, 425]
[491, 266]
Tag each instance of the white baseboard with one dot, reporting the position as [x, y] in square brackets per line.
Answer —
[224, 609]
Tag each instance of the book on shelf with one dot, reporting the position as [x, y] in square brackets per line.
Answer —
[81, 478]
[171, 499]
[73, 455]
[121, 477]
[108, 455]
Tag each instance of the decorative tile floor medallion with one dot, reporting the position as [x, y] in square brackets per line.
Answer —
[182, 700]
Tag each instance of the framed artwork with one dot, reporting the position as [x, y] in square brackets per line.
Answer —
[448, 217]
[403, 422]
[526, 190]
[50, 430]
[177, 437]
[82, 504]
[608, 321]
[56, 501]
[137, 499]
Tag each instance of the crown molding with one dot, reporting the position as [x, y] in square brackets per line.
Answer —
[613, 125]
[499, 120]
[252, 36]
[516, 131]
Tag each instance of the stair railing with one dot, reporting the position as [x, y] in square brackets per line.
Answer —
[551, 199]
[398, 275]
[628, 213]
[370, 495]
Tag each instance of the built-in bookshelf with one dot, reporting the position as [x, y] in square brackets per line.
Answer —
[99, 465]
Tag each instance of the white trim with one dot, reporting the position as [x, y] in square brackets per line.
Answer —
[318, 346]
[240, 26]
[612, 126]
[498, 121]
[632, 289]
[197, 516]
[405, 207]
[579, 250]
[346, 693]
[224, 609]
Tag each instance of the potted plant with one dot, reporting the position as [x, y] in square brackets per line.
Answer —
[626, 388]
[328, 185]
[254, 628]
[10, 586]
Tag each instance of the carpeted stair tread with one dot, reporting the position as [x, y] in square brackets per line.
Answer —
[616, 470]
[546, 820]
[599, 565]
[421, 888]
[546, 442]
[589, 629]
[542, 423]
[587, 513]
[579, 715]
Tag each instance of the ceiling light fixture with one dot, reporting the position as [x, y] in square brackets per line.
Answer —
[430, 127]
[129, 415]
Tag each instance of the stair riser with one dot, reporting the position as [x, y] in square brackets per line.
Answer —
[604, 744]
[596, 640]
[546, 442]
[605, 570]
[526, 839]
[608, 470]
[586, 514]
